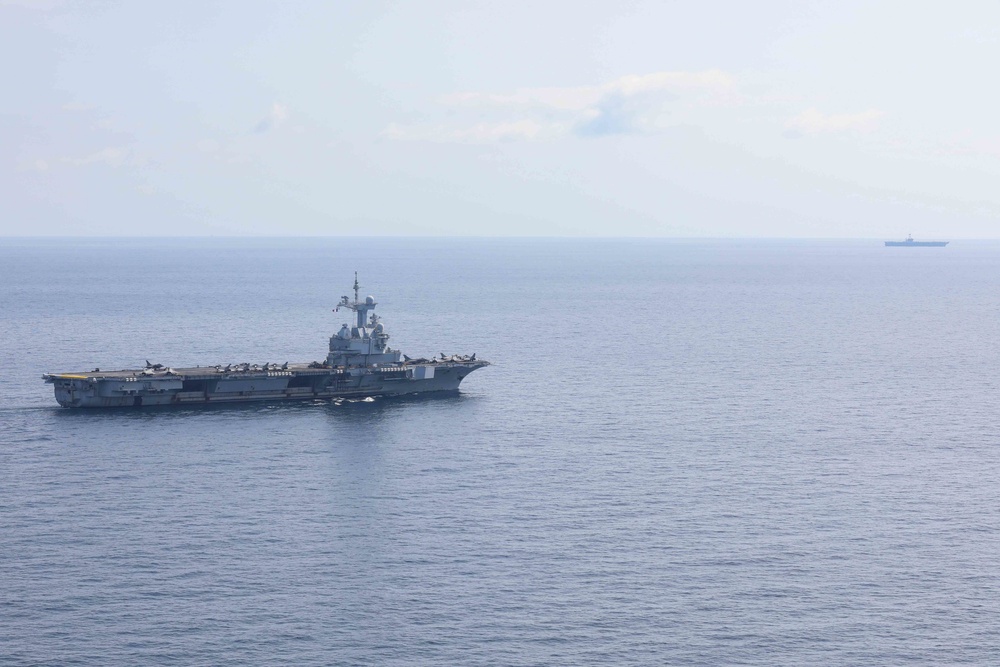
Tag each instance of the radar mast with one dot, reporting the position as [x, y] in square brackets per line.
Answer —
[358, 306]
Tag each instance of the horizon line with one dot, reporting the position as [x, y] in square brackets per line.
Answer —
[41, 237]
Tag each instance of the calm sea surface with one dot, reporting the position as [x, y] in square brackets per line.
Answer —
[685, 453]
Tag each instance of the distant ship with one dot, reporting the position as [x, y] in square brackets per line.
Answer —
[360, 364]
[910, 243]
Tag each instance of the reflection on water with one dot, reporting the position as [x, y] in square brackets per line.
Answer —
[358, 421]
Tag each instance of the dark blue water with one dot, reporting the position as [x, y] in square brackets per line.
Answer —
[686, 453]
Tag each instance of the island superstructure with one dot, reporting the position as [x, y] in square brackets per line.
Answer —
[359, 363]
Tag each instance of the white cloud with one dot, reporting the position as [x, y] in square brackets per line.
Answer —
[813, 121]
[112, 156]
[33, 165]
[630, 104]
[580, 98]
[36, 5]
[209, 146]
[477, 133]
[78, 106]
[274, 118]
[709, 80]
[968, 144]
[636, 104]
[279, 112]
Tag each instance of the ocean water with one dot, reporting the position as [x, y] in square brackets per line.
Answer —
[685, 453]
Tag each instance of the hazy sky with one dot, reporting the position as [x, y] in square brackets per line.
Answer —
[828, 119]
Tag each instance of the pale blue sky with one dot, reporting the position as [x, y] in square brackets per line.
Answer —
[705, 119]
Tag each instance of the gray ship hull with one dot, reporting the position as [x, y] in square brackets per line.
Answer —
[137, 388]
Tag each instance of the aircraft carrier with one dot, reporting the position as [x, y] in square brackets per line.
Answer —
[910, 243]
[360, 363]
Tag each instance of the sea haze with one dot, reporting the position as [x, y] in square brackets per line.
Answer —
[685, 453]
